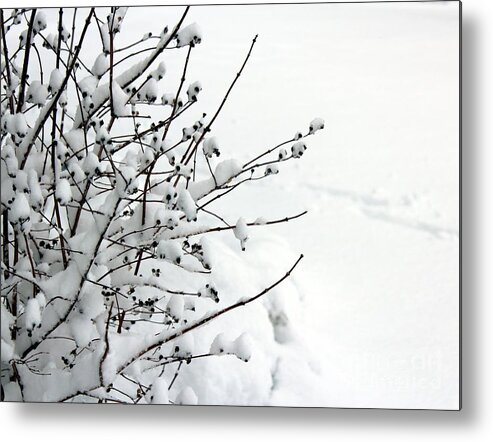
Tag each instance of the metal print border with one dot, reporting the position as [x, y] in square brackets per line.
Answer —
[460, 90]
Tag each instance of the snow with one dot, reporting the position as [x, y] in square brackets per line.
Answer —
[50, 41]
[37, 93]
[75, 139]
[158, 73]
[56, 80]
[14, 82]
[271, 169]
[223, 173]
[226, 170]
[125, 181]
[168, 99]
[16, 124]
[220, 345]
[23, 38]
[149, 92]
[115, 19]
[186, 397]
[187, 133]
[88, 85]
[81, 329]
[316, 125]
[241, 347]
[105, 37]
[91, 164]
[20, 211]
[194, 90]
[7, 351]
[76, 171]
[187, 204]
[35, 195]
[41, 299]
[13, 392]
[63, 192]
[241, 232]
[16, 16]
[170, 194]
[170, 251]
[159, 392]
[102, 135]
[298, 149]
[189, 35]
[206, 252]
[8, 194]
[101, 65]
[184, 170]
[120, 100]
[163, 35]
[63, 100]
[168, 218]
[184, 346]
[175, 307]
[61, 150]
[210, 147]
[382, 326]
[11, 163]
[20, 182]
[32, 314]
[362, 321]
[91, 304]
[40, 22]
[209, 291]
[147, 157]
[65, 34]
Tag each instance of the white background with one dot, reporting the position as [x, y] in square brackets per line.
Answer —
[79, 423]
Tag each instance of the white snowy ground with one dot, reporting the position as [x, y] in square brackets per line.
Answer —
[378, 322]
[380, 278]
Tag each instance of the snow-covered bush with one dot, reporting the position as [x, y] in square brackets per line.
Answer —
[108, 272]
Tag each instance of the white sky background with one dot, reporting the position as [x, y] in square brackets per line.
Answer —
[380, 277]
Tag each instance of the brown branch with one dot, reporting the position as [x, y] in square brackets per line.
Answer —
[7, 64]
[268, 151]
[194, 326]
[29, 141]
[208, 318]
[13, 272]
[208, 127]
[5, 241]
[111, 64]
[221, 228]
[53, 147]
[177, 97]
[64, 317]
[107, 346]
[149, 61]
[33, 269]
[20, 101]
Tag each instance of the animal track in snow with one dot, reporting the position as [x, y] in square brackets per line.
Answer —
[409, 211]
